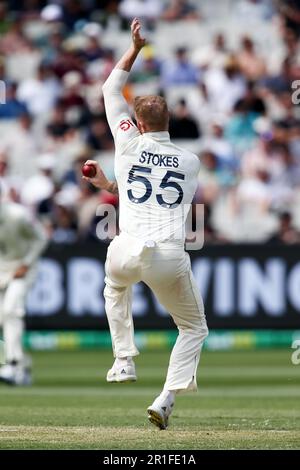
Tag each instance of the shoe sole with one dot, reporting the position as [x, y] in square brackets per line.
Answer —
[156, 419]
[122, 381]
[13, 383]
[7, 381]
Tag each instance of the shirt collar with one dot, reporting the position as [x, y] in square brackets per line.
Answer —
[162, 135]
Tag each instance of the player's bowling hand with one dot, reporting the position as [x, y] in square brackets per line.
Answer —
[99, 180]
[21, 271]
[137, 39]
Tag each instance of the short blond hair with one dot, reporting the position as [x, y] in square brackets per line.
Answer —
[153, 111]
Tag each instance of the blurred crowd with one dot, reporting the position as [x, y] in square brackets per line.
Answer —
[231, 81]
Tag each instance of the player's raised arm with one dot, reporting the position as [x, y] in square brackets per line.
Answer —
[116, 107]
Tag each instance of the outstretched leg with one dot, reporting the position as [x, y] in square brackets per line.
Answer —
[176, 290]
[190, 320]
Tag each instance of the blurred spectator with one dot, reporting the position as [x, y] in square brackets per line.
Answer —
[255, 190]
[279, 82]
[39, 93]
[53, 45]
[182, 124]
[71, 95]
[221, 147]
[63, 215]
[13, 108]
[73, 11]
[292, 52]
[22, 151]
[180, 71]
[288, 117]
[52, 13]
[86, 211]
[108, 63]
[259, 157]
[290, 11]
[253, 11]
[252, 100]
[68, 60]
[64, 223]
[147, 10]
[110, 7]
[284, 176]
[14, 39]
[225, 86]
[94, 49]
[40, 186]
[239, 129]
[99, 136]
[287, 234]
[212, 55]
[58, 126]
[200, 106]
[2, 68]
[5, 20]
[253, 220]
[209, 184]
[148, 67]
[180, 10]
[210, 235]
[251, 64]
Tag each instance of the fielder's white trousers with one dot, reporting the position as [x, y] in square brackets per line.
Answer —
[166, 269]
[12, 311]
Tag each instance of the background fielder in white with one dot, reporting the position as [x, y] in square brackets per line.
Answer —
[22, 240]
[156, 183]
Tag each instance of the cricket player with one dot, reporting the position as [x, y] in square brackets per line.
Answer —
[156, 182]
[21, 242]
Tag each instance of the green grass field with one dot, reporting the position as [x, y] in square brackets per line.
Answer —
[246, 400]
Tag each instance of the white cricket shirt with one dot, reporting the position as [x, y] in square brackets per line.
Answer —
[21, 240]
[156, 179]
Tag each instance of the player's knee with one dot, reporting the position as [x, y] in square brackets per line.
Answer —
[202, 331]
[198, 331]
[112, 291]
[205, 332]
[108, 293]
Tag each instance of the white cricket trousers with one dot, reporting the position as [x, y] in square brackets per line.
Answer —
[166, 269]
[12, 311]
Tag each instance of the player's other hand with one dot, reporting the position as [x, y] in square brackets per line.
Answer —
[138, 41]
[99, 180]
[21, 271]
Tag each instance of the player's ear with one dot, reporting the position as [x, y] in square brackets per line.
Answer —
[140, 126]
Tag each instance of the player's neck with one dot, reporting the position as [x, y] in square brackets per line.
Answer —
[163, 133]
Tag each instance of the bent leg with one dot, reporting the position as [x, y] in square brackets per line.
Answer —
[118, 302]
[121, 272]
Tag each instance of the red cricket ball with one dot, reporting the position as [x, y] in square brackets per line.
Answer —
[88, 170]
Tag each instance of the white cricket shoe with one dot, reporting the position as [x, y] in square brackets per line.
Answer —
[16, 373]
[122, 371]
[161, 409]
[7, 373]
